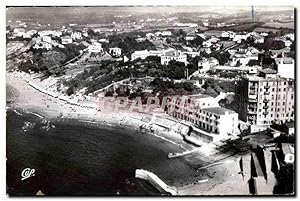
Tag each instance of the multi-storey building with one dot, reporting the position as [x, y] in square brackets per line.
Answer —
[175, 55]
[264, 99]
[285, 67]
[204, 112]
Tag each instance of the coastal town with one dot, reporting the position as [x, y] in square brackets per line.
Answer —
[220, 91]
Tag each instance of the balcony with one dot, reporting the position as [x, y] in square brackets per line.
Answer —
[267, 87]
[265, 107]
[266, 93]
[254, 97]
[265, 113]
[252, 111]
[266, 100]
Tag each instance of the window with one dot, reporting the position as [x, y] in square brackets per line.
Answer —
[271, 115]
[292, 96]
[272, 103]
[283, 103]
[279, 89]
[271, 109]
[284, 83]
[273, 89]
[260, 89]
[277, 115]
[283, 89]
[278, 103]
[278, 97]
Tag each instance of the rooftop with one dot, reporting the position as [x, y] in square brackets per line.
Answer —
[218, 110]
[268, 71]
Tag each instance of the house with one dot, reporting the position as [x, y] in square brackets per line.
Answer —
[239, 37]
[275, 53]
[290, 36]
[189, 38]
[192, 54]
[206, 63]
[287, 43]
[239, 59]
[143, 54]
[46, 39]
[42, 45]
[115, 51]
[76, 35]
[95, 48]
[19, 32]
[166, 33]
[175, 55]
[228, 34]
[206, 24]
[66, 40]
[259, 39]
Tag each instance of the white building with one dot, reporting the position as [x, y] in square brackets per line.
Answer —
[19, 32]
[163, 33]
[143, 54]
[228, 34]
[290, 36]
[115, 51]
[239, 37]
[204, 112]
[66, 40]
[285, 67]
[42, 45]
[175, 55]
[287, 43]
[76, 35]
[46, 39]
[259, 39]
[95, 48]
[188, 38]
[206, 63]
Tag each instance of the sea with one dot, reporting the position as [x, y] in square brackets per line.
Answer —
[74, 158]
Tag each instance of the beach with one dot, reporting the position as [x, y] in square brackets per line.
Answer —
[219, 179]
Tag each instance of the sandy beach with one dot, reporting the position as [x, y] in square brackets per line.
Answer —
[219, 179]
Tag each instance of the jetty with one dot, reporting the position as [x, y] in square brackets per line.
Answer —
[175, 155]
[155, 181]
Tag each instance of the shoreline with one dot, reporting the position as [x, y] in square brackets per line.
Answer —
[31, 100]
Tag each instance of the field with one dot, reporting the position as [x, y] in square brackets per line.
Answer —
[289, 25]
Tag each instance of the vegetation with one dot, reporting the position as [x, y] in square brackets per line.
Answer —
[50, 62]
